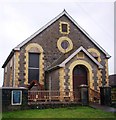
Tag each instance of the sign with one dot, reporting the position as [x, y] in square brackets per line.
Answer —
[16, 97]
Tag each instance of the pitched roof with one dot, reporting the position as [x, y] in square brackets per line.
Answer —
[61, 62]
[52, 21]
[17, 48]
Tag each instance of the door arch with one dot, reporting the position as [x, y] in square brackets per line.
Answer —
[90, 75]
[80, 76]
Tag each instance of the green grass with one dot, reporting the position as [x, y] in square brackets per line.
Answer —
[70, 112]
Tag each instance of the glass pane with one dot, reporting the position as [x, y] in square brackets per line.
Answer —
[64, 27]
[33, 74]
[65, 44]
[34, 60]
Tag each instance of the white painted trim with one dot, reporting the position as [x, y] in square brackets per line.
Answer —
[20, 98]
[11, 63]
[33, 68]
[13, 88]
[52, 21]
[5, 69]
[77, 51]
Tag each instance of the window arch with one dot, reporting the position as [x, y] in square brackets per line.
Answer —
[95, 53]
[64, 44]
[32, 50]
[64, 27]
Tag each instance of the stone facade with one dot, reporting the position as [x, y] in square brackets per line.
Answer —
[6, 99]
[9, 73]
[48, 43]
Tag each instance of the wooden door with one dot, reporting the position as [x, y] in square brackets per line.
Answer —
[79, 78]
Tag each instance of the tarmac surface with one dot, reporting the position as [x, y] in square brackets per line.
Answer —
[103, 107]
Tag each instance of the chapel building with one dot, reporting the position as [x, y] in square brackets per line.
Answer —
[59, 56]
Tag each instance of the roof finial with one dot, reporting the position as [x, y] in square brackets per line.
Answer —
[64, 10]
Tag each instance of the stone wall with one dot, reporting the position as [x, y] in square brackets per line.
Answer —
[7, 99]
[48, 38]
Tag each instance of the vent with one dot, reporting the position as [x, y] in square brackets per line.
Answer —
[80, 55]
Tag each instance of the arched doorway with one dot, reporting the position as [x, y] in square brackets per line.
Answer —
[80, 77]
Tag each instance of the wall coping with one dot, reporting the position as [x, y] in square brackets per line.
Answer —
[16, 88]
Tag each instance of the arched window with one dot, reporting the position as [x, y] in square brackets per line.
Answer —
[95, 53]
[33, 67]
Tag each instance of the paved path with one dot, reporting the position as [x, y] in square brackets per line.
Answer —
[103, 107]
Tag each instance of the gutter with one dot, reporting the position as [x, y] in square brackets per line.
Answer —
[10, 56]
[53, 68]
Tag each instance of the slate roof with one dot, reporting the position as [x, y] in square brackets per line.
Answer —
[65, 58]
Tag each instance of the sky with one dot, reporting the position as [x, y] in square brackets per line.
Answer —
[21, 18]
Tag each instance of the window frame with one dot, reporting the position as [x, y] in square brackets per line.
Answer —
[61, 28]
[70, 46]
[64, 27]
[12, 102]
[34, 68]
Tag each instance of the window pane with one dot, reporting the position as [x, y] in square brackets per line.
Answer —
[34, 60]
[33, 74]
[65, 44]
[64, 27]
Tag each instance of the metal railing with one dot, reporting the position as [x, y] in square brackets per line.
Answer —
[95, 95]
[63, 96]
[48, 96]
[42, 95]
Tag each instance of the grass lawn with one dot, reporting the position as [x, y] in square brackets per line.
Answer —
[70, 112]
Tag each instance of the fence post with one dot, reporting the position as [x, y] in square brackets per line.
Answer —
[105, 95]
[84, 94]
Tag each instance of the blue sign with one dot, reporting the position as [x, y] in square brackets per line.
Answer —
[16, 97]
